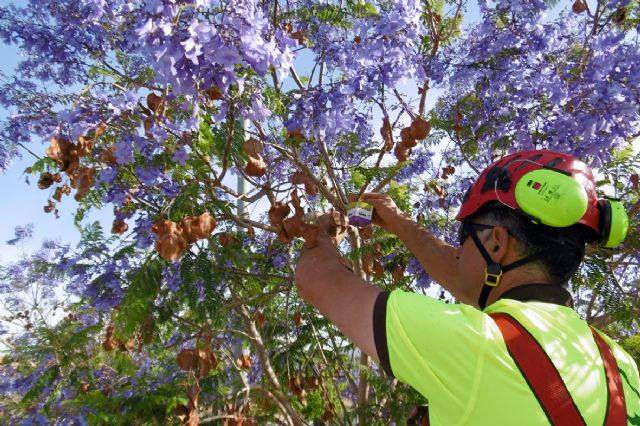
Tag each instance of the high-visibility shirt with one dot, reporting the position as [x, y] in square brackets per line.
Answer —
[455, 356]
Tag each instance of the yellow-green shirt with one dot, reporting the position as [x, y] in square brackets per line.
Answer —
[455, 356]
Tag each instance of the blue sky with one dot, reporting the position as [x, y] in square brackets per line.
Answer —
[23, 204]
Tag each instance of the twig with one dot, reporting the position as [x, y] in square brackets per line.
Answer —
[295, 77]
[267, 368]
[337, 203]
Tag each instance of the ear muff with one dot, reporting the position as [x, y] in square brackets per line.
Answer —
[614, 223]
[551, 197]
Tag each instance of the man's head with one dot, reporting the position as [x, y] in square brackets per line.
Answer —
[566, 244]
[547, 203]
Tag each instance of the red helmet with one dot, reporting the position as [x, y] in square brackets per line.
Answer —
[559, 192]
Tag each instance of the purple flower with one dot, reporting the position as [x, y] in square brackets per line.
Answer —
[148, 175]
[181, 155]
[124, 152]
[21, 233]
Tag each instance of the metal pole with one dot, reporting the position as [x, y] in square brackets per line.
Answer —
[241, 206]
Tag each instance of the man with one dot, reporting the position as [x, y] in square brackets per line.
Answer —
[524, 226]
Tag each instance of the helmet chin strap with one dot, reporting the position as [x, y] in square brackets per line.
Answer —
[494, 271]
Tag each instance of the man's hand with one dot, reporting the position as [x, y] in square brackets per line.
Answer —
[385, 212]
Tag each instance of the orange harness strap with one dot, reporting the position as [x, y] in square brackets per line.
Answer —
[547, 384]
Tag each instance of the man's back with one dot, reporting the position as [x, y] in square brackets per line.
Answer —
[456, 357]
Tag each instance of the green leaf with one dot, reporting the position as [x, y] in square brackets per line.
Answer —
[45, 164]
[45, 379]
[137, 304]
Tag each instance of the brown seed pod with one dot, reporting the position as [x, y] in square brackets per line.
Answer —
[387, 134]
[47, 179]
[119, 227]
[155, 103]
[256, 166]
[109, 156]
[198, 227]
[99, 131]
[420, 128]
[298, 36]
[310, 233]
[278, 212]
[60, 191]
[83, 182]
[579, 6]
[227, 240]
[253, 147]
[65, 153]
[244, 362]
[200, 360]
[85, 145]
[171, 242]
[406, 138]
[214, 93]
[296, 135]
[401, 152]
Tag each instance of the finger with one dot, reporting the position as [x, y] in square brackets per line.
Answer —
[373, 195]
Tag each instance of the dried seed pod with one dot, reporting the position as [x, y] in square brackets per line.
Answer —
[65, 153]
[387, 134]
[155, 103]
[99, 131]
[256, 167]
[85, 145]
[171, 242]
[83, 182]
[298, 36]
[109, 156]
[299, 177]
[398, 273]
[49, 207]
[406, 138]
[311, 188]
[401, 152]
[420, 128]
[200, 360]
[293, 226]
[579, 6]
[366, 232]
[296, 135]
[244, 362]
[310, 233]
[60, 191]
[253, 147]
[47, 179]
[258, 317]
[226, 239]
[214, 93]
[119, 227]
[198, 227]
[278, 212]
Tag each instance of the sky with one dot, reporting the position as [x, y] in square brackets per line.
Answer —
[23, 204]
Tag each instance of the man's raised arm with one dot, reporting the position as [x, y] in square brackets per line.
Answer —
[438, 258]
[344, 298]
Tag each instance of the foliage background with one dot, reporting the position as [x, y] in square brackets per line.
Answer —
[185, 311]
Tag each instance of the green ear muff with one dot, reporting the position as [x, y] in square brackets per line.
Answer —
[614, 223]
[551, 197]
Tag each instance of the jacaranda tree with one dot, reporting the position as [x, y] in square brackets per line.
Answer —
[187, 312]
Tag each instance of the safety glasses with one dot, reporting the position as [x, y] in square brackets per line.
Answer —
[467, 227]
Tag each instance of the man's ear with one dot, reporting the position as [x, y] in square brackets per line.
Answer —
[498, 243]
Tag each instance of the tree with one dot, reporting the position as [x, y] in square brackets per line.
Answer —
[187, 313]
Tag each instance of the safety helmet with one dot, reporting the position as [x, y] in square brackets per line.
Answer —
[550, 188]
